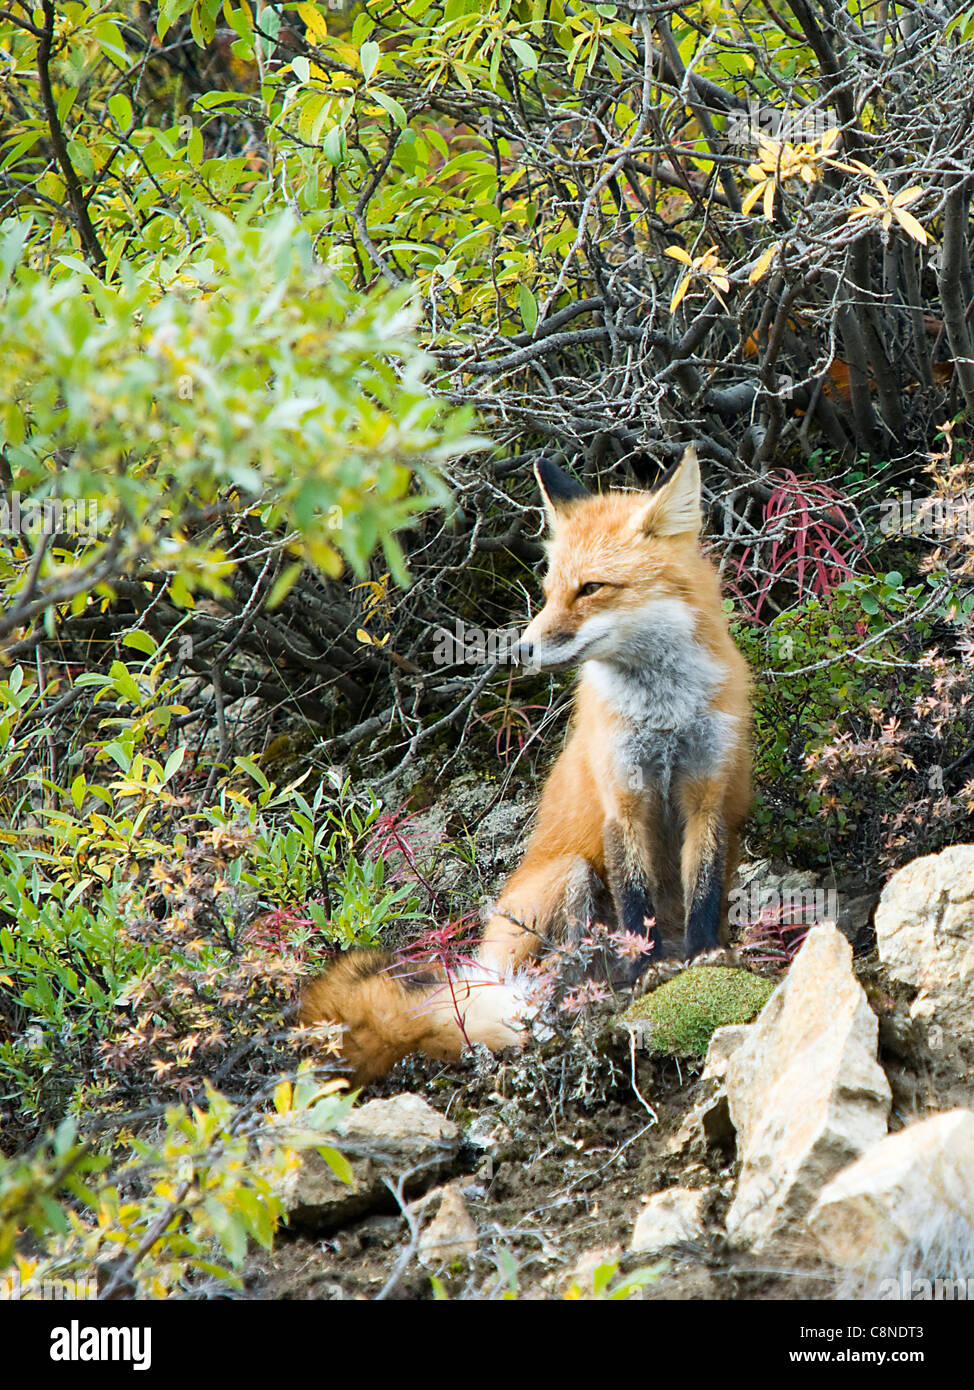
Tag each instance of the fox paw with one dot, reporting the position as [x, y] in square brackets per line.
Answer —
[655, 975]
[720, 955]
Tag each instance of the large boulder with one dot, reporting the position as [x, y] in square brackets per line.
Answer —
[925, 936]
[909, 1190]
[805, 1092]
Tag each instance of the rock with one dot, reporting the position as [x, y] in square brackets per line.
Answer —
[582, 1274]
[723, 1045]
[925, 936]
[399, 1138]
[805, 1092]
[673, 1217]
[452, 1233]
[910, 1187]
[708, 1123]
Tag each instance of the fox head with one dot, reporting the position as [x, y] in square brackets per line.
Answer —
[620, 565]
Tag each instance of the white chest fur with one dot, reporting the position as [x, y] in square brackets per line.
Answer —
[660, 689]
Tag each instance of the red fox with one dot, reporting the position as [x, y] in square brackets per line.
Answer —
[639, 818]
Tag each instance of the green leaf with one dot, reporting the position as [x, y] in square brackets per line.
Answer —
[120, 109]
[250, 767]
[333, 145]
[125, 684]
[229, 1230]
[174, 762]
[397, 112]
[369, 56]
[527, 55]
[529, 307]
[141, 641]
[283, 584]
[338, 1164]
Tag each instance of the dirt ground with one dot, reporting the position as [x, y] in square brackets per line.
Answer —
[561, 1147]
[553, 1185]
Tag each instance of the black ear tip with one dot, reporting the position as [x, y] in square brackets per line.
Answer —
[556, 484]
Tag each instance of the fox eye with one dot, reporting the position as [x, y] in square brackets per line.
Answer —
[587, 589]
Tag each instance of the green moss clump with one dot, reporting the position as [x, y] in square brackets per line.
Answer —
[683, 1013]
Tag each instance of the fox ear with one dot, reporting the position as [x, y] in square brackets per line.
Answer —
[675, 508]
[558, 488]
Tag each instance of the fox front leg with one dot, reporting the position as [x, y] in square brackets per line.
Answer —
[632, 894]
[704, 861]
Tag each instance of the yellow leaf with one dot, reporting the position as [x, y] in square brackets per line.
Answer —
[769, 200]
[282, 1097]
[314, 22]
[678, 254]
[363, 636]
[911, 226]
[325, 556]
[869, 207]
[753, 196]
[681, 290]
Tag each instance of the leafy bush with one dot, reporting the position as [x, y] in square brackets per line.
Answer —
[170, 1214]
[863, 708]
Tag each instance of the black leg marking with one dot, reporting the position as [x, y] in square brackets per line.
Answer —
[632, 898]
[703, 917]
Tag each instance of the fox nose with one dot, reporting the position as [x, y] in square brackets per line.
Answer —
[523, 652]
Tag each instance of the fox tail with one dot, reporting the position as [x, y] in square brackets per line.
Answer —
[387, 1014]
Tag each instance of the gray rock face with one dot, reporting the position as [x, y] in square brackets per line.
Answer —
[925, 935]
[805, 1092]
[384, 1139]
[907, 1190]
